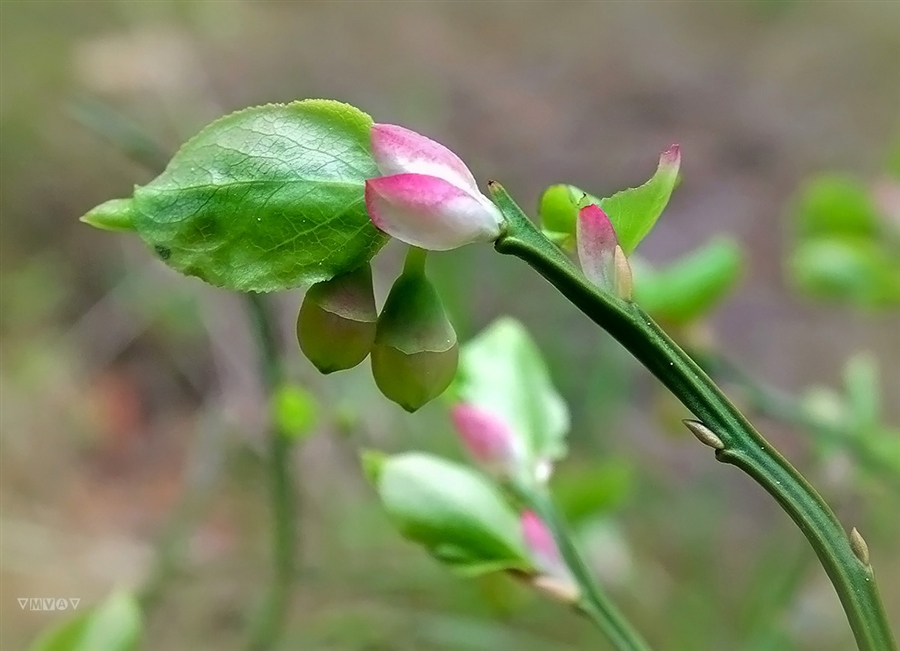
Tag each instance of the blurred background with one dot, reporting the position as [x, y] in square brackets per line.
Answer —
[132, 412]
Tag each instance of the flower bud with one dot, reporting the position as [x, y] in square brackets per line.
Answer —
[488, 439]
[415, 353]
[426, 196]
[602, 260]
[337, 321]
[553, 575]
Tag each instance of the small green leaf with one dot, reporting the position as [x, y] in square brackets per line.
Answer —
[265, 199]
[558, 208]
[65, 636]
[452, 511]
[840, 268]
[634, 211]
[114, 625]
[690, 287]
[294, 411]
[501, 370]
[835, 204]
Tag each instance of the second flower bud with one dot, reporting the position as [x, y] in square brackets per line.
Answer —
[415, 354]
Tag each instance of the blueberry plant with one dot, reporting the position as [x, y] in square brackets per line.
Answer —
[306, 194]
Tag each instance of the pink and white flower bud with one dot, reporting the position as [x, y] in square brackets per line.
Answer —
[488, 438]
[426, 196]
[602, 259]
[553, 575]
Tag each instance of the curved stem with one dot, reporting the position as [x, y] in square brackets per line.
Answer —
[744, 447]
[779, 405]
[594, 603]
[268, 628]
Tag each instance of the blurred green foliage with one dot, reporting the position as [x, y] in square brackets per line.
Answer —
[844, 248]
[114, 625]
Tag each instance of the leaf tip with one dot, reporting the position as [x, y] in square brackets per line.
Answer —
[671, 157]
[112, 215]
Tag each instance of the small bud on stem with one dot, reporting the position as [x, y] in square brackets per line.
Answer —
[859, 546]
[705, 435]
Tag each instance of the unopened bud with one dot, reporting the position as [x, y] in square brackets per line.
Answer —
[553, 575]
[415, 353]
[624, 283]
[859, 546]
[488, 439]
[705, 435]
[337, 321]
[602, 260]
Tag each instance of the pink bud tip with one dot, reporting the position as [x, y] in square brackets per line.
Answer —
[398, 150]
[597, 241]
[488, 439]
[671, 156]
[538, 537]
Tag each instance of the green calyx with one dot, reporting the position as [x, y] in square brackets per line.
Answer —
[415, 353]
[337, 321]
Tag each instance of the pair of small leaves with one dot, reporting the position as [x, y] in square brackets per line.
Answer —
[268, 198]
[633, 212]
[114, 625]
[846, 247]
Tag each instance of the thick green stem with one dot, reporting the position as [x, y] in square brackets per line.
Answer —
[744, 447]
[270, 624]
[593, 602]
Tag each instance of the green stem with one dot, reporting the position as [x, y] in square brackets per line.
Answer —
[415, 260]
[781, 406]
[270, 624]
[744, 447]
[594, 603]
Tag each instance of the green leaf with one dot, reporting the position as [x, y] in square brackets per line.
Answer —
[692, 286]
[633, 212]
[586, 491]
[268, 198]
[835, 204]
[558, 208]
[65, 636]
[860, 271]
[501, 370]
[114, 625]
[294, 411]
[451, 510]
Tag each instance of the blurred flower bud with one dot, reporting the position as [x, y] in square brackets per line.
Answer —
[488, 439]
[427, 197]
[415, 353]
[337, 321]
[553, 574]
